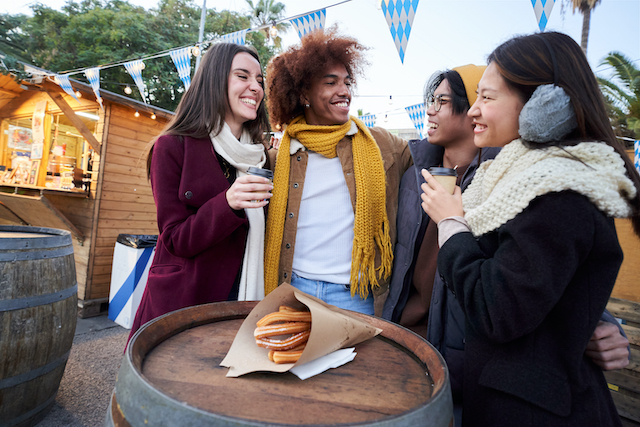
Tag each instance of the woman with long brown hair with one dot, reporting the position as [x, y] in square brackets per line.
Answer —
[210, 211]
[530, 249]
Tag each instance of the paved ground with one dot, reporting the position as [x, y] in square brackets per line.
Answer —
[90, 375]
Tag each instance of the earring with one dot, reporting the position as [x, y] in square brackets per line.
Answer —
[306, 106]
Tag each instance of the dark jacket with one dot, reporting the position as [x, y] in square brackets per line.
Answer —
[533, 292]
[201, 242]
[446, 319]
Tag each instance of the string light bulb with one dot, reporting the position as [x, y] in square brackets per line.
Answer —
[127, 90]
[386, 119]
[137, 114]
[153, 116]
[78, 94]
[273, 31]
[390, 100]
[195, 51]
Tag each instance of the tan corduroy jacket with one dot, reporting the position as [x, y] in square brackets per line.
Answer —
[397, 159]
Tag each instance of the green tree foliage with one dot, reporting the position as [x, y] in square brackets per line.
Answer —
[623, 95]
[105, 32]
[266, 12]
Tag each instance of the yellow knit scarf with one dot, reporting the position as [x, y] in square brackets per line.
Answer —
[371, 225]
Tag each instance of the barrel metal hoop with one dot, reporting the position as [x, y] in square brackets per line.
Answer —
[35, 255]
[18, 420]
[34, 301]
[54, 238]
[28, 376]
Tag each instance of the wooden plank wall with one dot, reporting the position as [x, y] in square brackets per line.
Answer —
[126, 203]
[625, 383]
[628, 281]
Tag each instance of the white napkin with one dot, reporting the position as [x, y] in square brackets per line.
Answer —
[324, 363]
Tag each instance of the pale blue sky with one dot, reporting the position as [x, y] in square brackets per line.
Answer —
[445, 34]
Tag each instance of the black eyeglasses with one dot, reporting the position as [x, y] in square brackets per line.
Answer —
[437, 101]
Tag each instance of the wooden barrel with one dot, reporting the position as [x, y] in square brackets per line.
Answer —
[171, 375]
[38, 306]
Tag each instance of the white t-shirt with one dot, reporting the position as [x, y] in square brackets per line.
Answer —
[324, 238]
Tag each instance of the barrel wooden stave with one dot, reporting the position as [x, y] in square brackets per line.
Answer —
[155, 391]
[36, 334]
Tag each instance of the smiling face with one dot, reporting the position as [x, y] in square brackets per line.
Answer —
[444, 127]
[495, 113]
[329, 97]
[245, 91]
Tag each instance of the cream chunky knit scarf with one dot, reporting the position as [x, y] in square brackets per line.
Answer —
[504, 187]
[243, 154]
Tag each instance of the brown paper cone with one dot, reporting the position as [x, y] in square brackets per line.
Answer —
[331, 329]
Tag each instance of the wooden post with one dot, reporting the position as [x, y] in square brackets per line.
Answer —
[44, 162]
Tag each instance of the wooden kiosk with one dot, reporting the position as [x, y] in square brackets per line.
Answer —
[87, 176]
[625, 305]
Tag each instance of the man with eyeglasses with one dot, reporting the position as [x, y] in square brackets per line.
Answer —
[418, 298]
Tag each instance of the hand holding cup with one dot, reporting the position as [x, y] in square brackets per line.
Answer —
[249, 191]
[440, 202]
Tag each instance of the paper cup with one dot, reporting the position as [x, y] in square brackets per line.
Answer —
[445, 176]
[266, 173]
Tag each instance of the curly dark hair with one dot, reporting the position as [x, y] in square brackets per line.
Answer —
[289, 75]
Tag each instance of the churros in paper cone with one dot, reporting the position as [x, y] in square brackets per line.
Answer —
[331, 329]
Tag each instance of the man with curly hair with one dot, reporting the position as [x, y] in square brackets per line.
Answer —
[332, 218]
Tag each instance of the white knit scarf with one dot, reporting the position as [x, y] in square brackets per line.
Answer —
[504, 187]
[242, 155]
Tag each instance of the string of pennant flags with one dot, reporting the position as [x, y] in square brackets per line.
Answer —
[399, 15]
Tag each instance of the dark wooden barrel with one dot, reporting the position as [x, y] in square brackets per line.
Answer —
[38, 313]
[171, 375]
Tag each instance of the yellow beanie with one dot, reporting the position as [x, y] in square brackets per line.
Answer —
[471, 75]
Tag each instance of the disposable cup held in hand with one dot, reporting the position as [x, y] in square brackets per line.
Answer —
[266, 173]
[445, 176]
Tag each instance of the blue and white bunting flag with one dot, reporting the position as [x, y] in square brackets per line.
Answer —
[311, 22]
[239, 37]
[399, 15]
[63, 81]
[93, 75]
[182, 60]
[636, 157]
[369, 120]
[542, 9]
[134, 68]
[416, 114]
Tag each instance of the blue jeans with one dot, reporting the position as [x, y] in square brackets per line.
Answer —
[334, 294]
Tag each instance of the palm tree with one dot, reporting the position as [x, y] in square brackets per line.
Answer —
[585, 7]
[623, 99]
[265, 13]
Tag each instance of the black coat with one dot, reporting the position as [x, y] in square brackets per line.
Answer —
[533, 292]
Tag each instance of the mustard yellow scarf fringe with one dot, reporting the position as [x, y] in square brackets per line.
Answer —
[371, 225]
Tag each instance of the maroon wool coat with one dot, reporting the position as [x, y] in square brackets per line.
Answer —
[201, 242]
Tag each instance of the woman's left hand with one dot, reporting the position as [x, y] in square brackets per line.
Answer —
[437, 202]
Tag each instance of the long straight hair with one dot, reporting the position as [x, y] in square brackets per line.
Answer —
[202, 109]
[526, 62]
